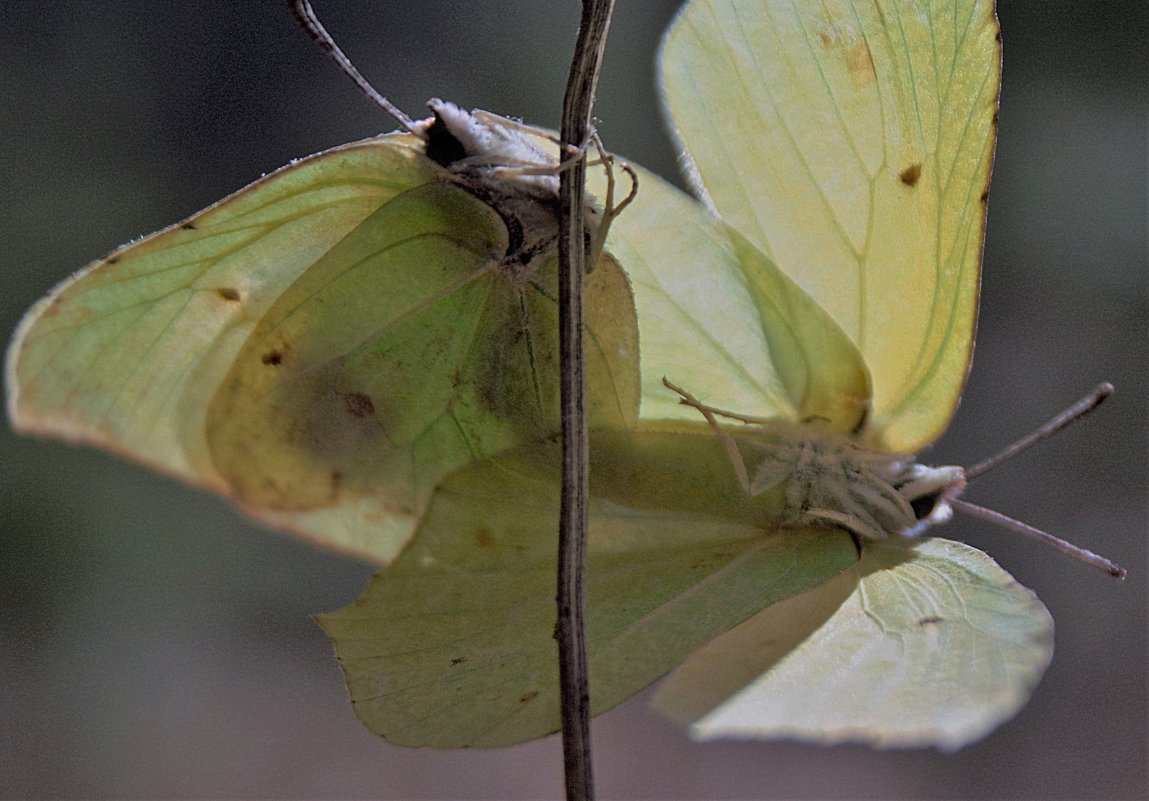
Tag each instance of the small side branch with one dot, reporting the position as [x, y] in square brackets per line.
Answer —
[571, 628]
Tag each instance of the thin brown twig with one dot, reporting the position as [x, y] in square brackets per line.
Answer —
[570, 629]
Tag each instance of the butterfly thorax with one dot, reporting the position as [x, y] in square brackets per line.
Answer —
[505, 164]
[477, 143]
[825, 477]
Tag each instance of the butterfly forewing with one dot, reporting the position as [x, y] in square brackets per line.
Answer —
[852, 143]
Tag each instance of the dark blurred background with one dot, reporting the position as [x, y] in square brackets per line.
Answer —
[153, 643]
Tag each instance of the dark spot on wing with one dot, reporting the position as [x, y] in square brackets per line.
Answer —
[458, 660]
[928, 621]
[528, 696]
[860, 64]
[188, 226]
[359, 405]
[112, 260]
[272, 358]
[484, 538]
[54, 308]
[985, 197]
[228, 293]
[837, 34]
[911, 174]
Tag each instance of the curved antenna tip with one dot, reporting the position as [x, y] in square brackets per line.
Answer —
[1070, 415]
[307, 20]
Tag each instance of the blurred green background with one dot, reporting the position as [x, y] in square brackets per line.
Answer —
[153, 643]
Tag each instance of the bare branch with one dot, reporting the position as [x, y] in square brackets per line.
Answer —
[570, 630]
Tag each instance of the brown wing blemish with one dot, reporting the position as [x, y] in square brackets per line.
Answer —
[860, 64]
[530, 695]
[910, 175]
[53, 308]
[836, 33]
[484, 538]
[229, 293]
[358, 404]
[273, 358]
[928, 621]
[188, 226]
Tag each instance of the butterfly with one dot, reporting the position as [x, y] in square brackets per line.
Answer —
[324, 345]
[823, 288]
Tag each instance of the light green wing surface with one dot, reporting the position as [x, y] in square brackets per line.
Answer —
[718, 318]
[321, 346]
[453, 644]
[852, 143]
[921, 643]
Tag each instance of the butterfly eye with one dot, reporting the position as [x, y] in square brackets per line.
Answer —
[442, 146]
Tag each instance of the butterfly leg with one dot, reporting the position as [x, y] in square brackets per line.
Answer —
[728, 444]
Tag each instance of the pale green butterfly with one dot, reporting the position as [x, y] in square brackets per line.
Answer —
[847, 151]
[872, 130]
[326, 344]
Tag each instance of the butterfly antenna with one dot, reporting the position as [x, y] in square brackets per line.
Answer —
[1067, 548]
[306, 18]
[1070, 415]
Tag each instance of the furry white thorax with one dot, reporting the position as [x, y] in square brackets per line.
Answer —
[491, 141]
[826, 477]
[514, 168]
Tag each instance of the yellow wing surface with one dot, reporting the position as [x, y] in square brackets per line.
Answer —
[851, 142]
[322, 346]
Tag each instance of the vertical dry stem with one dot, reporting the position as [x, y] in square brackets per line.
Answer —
[570, 631]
